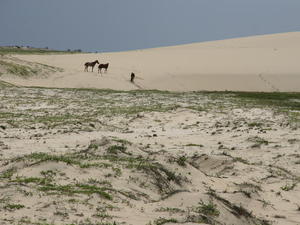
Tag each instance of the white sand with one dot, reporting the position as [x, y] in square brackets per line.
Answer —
[221, 143]
[258, 63]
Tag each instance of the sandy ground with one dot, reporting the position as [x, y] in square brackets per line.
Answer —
[95, 156]
[259, 63]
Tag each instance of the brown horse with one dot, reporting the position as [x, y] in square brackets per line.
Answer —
[91, 64]
[103, 66]
[132, 76]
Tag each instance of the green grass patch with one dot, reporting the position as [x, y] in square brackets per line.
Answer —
[289, 101]
[255, 124]
[13, 206]
[71, 159]
[36, 180]
[288, 187]
[75, 189]
[17, 69]
[209, 209]
[42, 157]
[181, 160]
[7, 174]
[20, 50]
[115, 149]
[103, 216]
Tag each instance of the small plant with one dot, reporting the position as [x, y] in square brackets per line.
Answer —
[246, 193]
[118, 171]
[14, 206]
[40, 156]
[76, 189]
[288, 187]
[194, 145]
[4, 199]
[37, 180]
[93, 146]
[122, 141]
[258, 141]
[62, 214]
[103, 216]
[251, 186]
[255, 124]
[239, 159]
[170, 210]
[293, 141]
[8, 173]
[161, 221]
[115, 149]
[181, 161]
[264, 202]
[209, 209]
[49, 174]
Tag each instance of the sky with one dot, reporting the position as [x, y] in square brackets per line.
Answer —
[119, 25]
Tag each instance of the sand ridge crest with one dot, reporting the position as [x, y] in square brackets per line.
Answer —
[259, 63]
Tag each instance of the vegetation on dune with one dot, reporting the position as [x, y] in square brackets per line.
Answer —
[117, 171]
[114, 158]
[209, 209]
[11, 66]
[289, 101]
[109, 103]
[29, 50]
[4, 84]
[7, 173]
[13, 206]
[75, 189]
[17, 69]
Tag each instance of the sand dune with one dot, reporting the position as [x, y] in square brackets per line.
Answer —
[259, 63]
[90, 157]
[95, 157]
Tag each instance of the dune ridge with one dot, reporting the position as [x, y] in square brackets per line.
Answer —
[149, 157]
[260, 63]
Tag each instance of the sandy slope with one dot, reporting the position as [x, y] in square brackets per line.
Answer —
[161, 163]
[89, 157]
[258, 63]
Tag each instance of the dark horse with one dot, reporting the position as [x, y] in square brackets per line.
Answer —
[91, 64]
[132, 76]
[103, 66]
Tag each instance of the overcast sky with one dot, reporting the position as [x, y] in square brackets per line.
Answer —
[116, 25]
